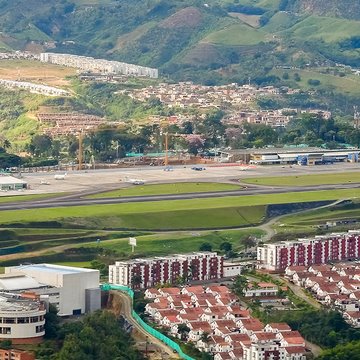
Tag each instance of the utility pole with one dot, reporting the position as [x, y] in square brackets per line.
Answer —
[80, 149]
[166, 149]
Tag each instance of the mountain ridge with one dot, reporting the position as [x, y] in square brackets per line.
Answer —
[190, 39]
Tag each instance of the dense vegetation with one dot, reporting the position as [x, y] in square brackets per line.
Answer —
[98, 336]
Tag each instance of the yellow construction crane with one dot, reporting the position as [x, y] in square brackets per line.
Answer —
[80, 157]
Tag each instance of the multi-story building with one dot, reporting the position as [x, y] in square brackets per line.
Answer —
[91, 64]
[305, 252]
[144, 273]
[22, 320]
[72, 290]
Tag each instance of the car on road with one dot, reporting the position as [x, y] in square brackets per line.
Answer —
[168, 168]
[198, 168]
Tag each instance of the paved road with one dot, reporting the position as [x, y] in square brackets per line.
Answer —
[75, 200]
[126, 312]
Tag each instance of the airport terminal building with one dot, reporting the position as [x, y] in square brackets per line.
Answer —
[291, 156]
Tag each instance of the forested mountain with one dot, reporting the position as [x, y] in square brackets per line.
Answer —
[349, 9]
[216, 40]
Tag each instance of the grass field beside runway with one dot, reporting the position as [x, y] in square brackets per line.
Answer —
[307, 179]
[162, 189]
[172, 214]
[19, 198]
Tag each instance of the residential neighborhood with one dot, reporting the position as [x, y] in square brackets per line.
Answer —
[335, 286]
[215, 321]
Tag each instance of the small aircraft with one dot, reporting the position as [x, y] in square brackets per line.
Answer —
[136, 181]
[60, 176]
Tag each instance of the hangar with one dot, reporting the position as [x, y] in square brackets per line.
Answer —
[8, 183]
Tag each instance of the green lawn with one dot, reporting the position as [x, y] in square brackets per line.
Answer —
[174, 188]
[175, 214]
[306, 180]
[172, 243]
[82, 264]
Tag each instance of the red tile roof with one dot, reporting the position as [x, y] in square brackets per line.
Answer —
[295, 349]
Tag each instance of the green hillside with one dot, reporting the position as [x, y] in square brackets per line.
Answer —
[190, 39]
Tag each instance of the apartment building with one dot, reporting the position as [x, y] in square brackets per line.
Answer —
[144, 273]
[90, 64]
[305, 252]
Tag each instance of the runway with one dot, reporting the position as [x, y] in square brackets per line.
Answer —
[77, 200]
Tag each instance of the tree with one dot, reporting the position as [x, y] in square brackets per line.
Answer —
[205, 337]
[136, 280]
[205, 247]
[226, 246]
[40, 145]
[248, 242]
[183, 330]
[240, 285]
[51, 323]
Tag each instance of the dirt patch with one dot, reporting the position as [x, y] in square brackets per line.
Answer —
[189, 17]
[35, 72]
[252, 20]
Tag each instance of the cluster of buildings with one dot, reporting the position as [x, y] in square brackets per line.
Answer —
[27, 290]
[18, 55]
[186, 94]
[311, 251]
[90, 64]
[212, 319]
[180, 268]
[70, 123]
[279, 118]
[336, 286]
[34, 88]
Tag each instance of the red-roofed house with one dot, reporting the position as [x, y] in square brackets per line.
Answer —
[192, 290]
[169, 291]
[261, 289]
[249, 326]
[217, 289]
[152, 294]
[294, 353]
[197, 328]
[277, 327]
[353, 318]
[291, 338]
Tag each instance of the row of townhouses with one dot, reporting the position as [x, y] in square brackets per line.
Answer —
[216, 323]
[336, 286]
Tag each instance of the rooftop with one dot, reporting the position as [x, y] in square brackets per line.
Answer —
[54, 269]
[9, 180]
[18, 282]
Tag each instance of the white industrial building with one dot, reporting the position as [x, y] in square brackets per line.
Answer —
[21, 320]
[72, 290]
[10, 183]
